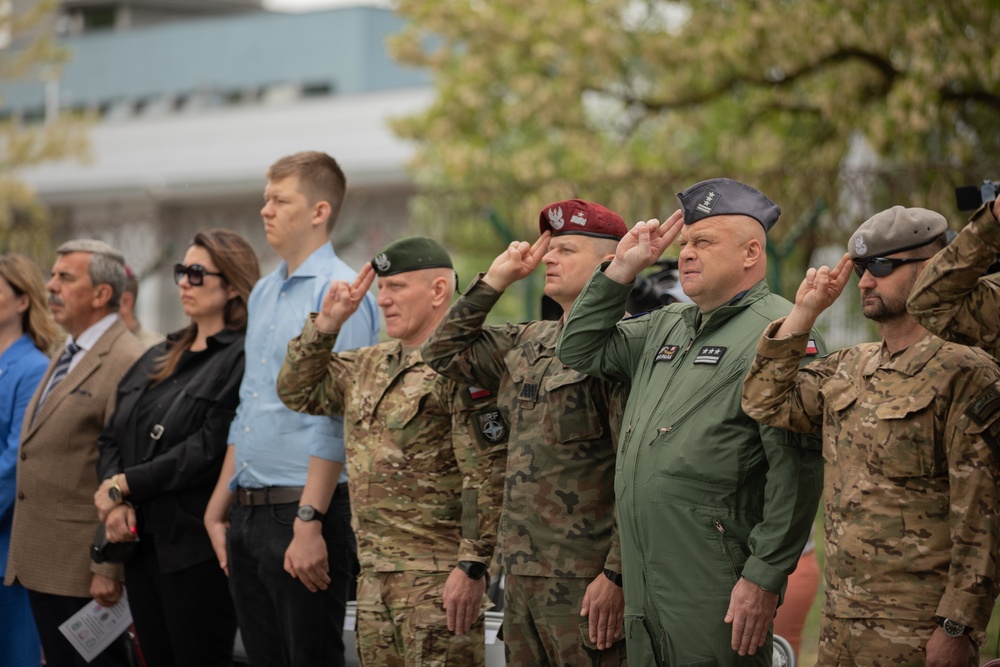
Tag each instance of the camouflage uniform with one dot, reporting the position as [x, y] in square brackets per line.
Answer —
[952, 298]
[704, 494]
[557, 530]
[425, 481]
[907, 440]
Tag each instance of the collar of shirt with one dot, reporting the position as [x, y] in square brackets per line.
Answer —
[90, 336]
[909, 361]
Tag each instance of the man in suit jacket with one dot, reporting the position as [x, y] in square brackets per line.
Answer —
[54, 515]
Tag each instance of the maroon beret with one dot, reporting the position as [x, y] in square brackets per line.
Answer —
[576, 216]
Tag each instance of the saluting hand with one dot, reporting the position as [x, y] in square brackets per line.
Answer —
[342, 300]
[818, 291]
[642, 246]
[516, 262]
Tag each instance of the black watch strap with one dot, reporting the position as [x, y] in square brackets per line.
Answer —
[308, 513]
[473, 569]
[615, 577]
[953, 628]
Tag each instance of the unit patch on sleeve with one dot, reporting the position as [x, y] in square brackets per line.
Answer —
[491, 426]
[811, 349]
[667, 353]
[985, 405]
[710, 354]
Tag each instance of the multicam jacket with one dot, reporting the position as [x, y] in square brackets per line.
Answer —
[910, 490]
[558, 512]
[952, 298]
[424, 456]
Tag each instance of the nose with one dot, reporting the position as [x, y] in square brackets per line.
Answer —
[867, 280]
[383, 299]
[549, 258]
[686, 253]
[265, 210]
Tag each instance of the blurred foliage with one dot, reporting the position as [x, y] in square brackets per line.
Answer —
[25, 224]
[842, 106]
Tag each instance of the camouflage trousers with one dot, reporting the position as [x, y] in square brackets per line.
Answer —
[877, 642]
[542, 626]
[402, 623]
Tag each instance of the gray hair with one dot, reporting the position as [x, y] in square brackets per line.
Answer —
[106, 265]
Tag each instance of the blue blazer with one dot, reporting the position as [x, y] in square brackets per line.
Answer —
[22, 366]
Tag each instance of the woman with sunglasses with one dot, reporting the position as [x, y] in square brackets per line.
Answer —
[27, 334]
[161, 453]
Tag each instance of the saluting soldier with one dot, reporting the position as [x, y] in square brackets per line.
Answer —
[424, 459]
[908, 423]
[558, 541]
[713, 508]
[952, 298]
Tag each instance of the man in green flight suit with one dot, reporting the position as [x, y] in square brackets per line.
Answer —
[713, 508]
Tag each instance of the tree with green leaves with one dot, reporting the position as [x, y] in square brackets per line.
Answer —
[29, 53]
[834, 108]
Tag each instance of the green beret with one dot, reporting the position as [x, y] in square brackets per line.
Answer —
[896, 230]
[412, 253]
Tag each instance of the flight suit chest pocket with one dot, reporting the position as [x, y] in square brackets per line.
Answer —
[904, 438]
[572, 408]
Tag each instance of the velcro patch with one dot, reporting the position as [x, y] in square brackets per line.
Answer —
[492, 426]
[667, 353]
[710, 354]
[529, 391]
[985, 406]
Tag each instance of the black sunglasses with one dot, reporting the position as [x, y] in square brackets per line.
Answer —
[196, 274]
[880, 267]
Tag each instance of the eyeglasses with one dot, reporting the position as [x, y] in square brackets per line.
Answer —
[195, 273]
[880, 267]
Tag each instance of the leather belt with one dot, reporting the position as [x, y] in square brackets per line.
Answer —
[268, 495]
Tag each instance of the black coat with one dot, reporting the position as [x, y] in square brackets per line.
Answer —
[170, 480]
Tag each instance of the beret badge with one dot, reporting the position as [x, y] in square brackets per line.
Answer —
[859, 246]
[555, 216]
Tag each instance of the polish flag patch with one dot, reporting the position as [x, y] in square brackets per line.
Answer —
[811, 350]
[478, 392]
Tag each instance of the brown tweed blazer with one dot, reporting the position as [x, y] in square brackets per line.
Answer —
[54, 514]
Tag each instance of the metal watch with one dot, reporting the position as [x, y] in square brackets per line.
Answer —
[953, 628]
[115, 491]
[473, 569]
[308, 513]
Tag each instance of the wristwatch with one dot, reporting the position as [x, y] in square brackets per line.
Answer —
[308, 513]
[953, 628]
[115, 491]
[473, 569]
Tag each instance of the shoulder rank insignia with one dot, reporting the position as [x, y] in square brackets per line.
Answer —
[710, 354]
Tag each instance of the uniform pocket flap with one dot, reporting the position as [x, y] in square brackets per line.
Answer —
[902, 407]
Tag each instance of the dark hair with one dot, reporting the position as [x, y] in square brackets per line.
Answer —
[320, 178]
[236, 260]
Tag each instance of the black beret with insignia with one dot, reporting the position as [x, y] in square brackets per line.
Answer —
[412, 253]
[895, 230]
[724, 196]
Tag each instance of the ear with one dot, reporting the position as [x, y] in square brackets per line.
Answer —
[102, 294]
[321, 213]
[752, 254]
[440, 294]
[22, 303]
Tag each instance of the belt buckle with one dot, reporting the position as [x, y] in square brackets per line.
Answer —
[246, 497]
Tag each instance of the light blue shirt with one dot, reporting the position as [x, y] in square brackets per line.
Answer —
[273, 443]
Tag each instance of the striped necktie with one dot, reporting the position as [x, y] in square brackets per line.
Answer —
[62, 368]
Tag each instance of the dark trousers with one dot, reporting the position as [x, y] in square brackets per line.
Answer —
[282, 624]
[184, 618]
[50, 611]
